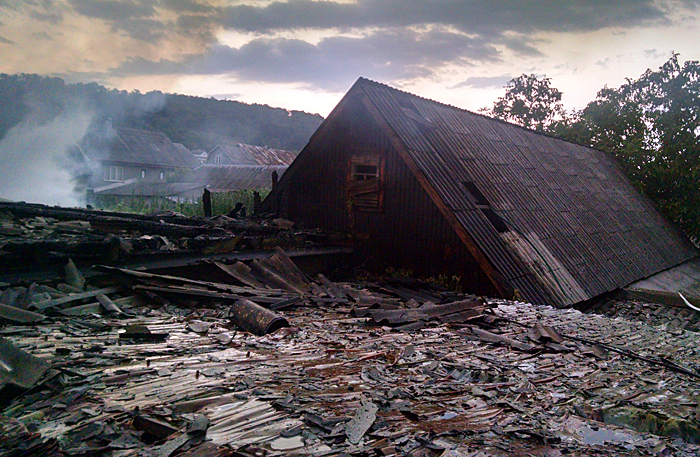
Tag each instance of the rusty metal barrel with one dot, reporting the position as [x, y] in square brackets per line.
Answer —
[255, 319]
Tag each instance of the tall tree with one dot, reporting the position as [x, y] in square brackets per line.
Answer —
[529, 101]
[652, 126]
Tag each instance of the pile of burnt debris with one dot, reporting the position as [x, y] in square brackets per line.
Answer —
[36, 239]
[672, 317]
[261, 357]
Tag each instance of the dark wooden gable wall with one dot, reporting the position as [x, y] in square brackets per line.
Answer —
[406, 231]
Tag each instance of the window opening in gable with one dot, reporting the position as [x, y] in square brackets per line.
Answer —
[364, 189]
[482, 203]
[362, 172]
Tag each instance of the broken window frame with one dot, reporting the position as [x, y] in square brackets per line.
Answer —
[364, 186]
[114, 174]
[482, 203]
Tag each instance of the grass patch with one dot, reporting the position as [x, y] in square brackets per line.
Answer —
[221, 203]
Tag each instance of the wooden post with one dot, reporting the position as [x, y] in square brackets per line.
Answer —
[206, 202]
[257, 202]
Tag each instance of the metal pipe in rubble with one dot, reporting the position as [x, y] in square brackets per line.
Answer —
[255, 319]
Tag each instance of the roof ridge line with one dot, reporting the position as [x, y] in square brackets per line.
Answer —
[367, 80]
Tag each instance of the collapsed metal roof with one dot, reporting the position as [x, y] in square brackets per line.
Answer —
[554, 222]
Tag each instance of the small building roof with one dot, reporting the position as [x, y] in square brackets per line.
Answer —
[220, 178]
[247, 154]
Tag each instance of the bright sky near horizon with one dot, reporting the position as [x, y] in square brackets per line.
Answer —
[304, 54]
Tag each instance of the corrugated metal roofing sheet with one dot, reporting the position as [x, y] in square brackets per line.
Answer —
[219, 178]
[247, 154]
[149, 189]
[567, 203]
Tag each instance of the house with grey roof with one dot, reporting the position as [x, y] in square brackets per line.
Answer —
[115, 155]
[439, 190]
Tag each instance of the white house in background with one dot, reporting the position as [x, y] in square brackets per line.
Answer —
[199, 154]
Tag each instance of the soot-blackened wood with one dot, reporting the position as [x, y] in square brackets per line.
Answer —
[206, 203]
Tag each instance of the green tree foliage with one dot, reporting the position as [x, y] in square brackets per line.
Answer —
[651, 125]
[529, 101]
[196, 122]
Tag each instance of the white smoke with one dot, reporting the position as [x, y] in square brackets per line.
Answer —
[34, 162]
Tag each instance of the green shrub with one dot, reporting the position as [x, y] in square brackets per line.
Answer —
[221, 203]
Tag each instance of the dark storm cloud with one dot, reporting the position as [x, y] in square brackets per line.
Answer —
[189, 6]
[137, 18]
[654, 54]
[114, 10]
[51, 18]
[334, 62]
[400, 39]
[484, 82]
[521, 46]
[144, 29]
[138, 66]
[488, 19]
[473, 16]
[41, 10]
[142, 19]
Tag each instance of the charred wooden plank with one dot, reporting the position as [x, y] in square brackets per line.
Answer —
[168, 279]
[74, 297]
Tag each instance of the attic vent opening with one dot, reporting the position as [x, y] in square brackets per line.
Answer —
[405, 101]
[482, 203]
[410, 110]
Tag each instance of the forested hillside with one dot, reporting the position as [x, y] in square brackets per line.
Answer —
[198, 123]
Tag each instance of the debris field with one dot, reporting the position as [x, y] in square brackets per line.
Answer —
[270, 361]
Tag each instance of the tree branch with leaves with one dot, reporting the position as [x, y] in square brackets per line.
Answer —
[529, 101]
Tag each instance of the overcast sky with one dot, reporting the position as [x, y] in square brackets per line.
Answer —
[304, 54]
